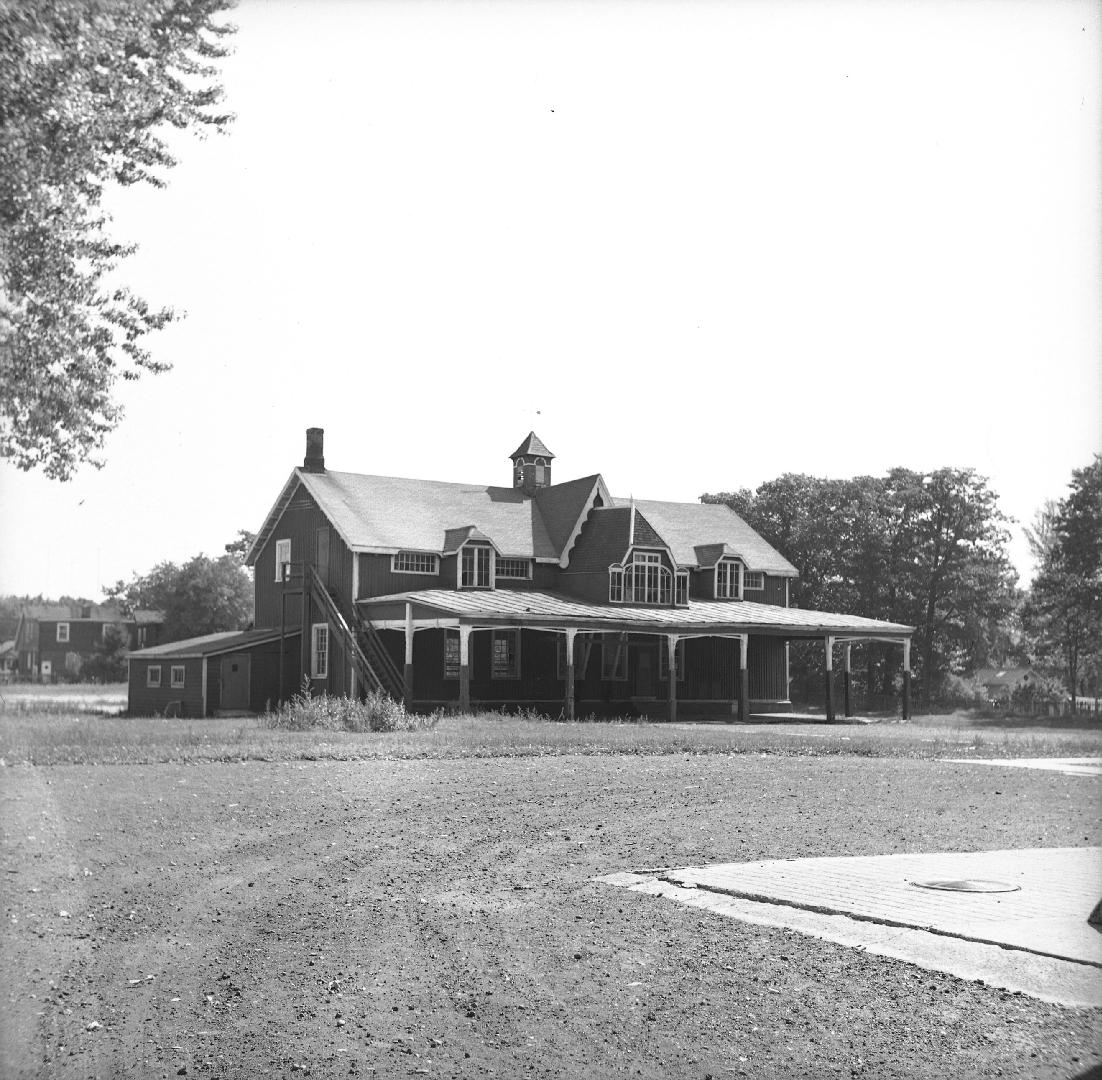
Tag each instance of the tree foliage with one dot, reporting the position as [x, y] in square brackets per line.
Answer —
[924, 549]
[88, 89]
[202, 596]
[1064, 611]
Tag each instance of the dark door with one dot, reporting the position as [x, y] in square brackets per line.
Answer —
[235, 681]
[646, 660]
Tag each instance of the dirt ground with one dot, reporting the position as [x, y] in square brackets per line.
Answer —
[438, 918]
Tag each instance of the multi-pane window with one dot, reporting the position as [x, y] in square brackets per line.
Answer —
[615, 585]
[505, 655]
[451, 654]
[727, 575]
[753, 581]
[681, 588]
[614, 656]
[319, 651]
[62, 631]
[476, 567]
[153, 675]
[176, 675]
[513, 568]
[283, 560]
[413, 562]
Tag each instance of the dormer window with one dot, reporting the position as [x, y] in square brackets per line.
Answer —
[645, 580]
[476, 567]
[733, 580]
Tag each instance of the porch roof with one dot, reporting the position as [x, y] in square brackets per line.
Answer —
[548, 609]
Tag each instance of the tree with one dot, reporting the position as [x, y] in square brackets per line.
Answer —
[924, 549]
[87, 89]
[203, 596]
[1064, 610]
[239, 548]
[107, 664]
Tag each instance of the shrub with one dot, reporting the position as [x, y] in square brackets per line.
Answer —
[376, 712]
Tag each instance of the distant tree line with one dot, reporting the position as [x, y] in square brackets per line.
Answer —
[929, 549]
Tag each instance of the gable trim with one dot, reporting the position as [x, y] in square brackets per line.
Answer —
[597, 489]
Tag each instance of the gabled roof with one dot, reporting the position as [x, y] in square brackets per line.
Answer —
[685, 526]
[108, 613]
[454, 539]
[531, 447]
[390, 513]
[604, 540]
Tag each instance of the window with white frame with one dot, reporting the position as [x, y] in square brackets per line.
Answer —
[414, 562]
[153, 676]
[727, 579]
[505, 655]
[62, 631]
[520, 569]
[614, 656]
[451, 654]
[282, 559]
[319, 651]
[615, 584]
[752, 580]
[476, 567]
[176, 676]
[681, 588]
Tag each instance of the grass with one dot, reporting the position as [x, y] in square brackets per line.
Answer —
[49, 736]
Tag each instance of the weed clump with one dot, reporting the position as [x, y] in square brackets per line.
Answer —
[328, 712]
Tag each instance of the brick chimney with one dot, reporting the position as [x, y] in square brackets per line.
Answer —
[315, 450]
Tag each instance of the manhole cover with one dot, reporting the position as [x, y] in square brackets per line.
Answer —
[968, 885]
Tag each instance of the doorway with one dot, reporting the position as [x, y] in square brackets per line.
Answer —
[235, 681]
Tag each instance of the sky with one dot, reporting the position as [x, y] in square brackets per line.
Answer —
[692, 245]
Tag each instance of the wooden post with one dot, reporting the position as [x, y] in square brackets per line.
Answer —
[847, 679]
[568, 692]
[906, 678]
[464, 669]
[671, 644]
[828, 644]
[744, 678]
[407, 687]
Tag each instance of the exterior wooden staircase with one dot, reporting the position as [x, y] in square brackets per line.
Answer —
[372, 663]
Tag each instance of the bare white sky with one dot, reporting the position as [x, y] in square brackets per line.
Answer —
[693, 245]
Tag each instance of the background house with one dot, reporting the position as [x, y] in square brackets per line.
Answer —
[55, 641]
[1001, 683]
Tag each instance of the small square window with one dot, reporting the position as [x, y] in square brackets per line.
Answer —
[153, 675]
[176, 676]
[62, 631]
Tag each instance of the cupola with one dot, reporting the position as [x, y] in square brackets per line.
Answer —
[531, 465]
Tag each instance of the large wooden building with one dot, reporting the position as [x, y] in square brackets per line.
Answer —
[560, 597]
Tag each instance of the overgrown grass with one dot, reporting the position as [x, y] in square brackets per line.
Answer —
[325, 712]
[49, 738]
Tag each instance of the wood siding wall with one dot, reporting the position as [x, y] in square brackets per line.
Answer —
[300, 523]
[711, 667]
[152, 701]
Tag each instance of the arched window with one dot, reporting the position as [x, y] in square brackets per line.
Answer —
[644, 580]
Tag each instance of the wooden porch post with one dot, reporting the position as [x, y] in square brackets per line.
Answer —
[906, 678]
[847, 679]
[464, 669]
[671, 644]
[744, 677]
[407, 687]
[829, 646]
[568, 692]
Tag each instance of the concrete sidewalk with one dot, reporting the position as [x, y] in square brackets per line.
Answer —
[1035, 939]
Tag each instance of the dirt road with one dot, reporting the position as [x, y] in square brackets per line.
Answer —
[438, 918]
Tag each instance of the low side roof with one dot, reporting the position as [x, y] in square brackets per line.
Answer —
[703, 616]
[210, 644]
[96, 613]
[686, 526]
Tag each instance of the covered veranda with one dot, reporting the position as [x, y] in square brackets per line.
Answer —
[471, 612]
